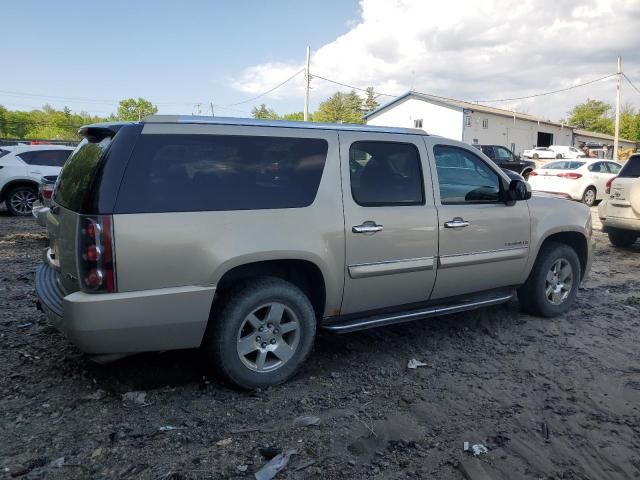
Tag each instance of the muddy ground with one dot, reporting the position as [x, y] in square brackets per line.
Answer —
[549, 398]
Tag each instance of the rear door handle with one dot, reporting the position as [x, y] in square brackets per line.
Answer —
[457, 222]
[369, 227]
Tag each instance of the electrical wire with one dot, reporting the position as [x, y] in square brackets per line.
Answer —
[265, 93]
[351, 86]
[630, 82]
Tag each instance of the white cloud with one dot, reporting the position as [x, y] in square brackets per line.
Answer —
[475, 50]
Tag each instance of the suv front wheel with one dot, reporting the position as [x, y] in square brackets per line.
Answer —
[553, 282]
[20, 200]
[261, 334]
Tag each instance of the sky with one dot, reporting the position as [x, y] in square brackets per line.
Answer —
[87, 56]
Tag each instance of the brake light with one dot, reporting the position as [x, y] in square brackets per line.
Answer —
[533, 173]
[96, 265]
[46, 191]
[607, 188]
[570, 175]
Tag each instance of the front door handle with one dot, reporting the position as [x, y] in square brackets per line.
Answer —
[457, 222]
[369, 227]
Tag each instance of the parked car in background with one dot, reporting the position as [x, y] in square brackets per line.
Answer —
[290, 227]
[540, 152]
[567, 152]
[620, 211]
[21, 169]
[507, 160]
[45, 192]
[582, 179]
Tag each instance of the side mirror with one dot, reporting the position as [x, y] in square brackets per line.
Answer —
[518, 190]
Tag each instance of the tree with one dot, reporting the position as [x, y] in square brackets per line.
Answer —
[296, 117]
[630, 123]
[340, 108]
[131, 109]
[264, 113]
[370, 103]
[592, 115]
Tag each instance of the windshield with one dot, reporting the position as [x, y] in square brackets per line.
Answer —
[631, 169]
[77, 173]
[564, 165]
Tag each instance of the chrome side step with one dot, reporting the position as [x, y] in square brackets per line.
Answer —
[364, 323]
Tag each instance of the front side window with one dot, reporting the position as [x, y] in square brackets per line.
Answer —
[48, 158]
[182, 173]
[385, 173]
[504, 155]
[464, 178]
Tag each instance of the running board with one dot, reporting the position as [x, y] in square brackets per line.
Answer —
[381, 320]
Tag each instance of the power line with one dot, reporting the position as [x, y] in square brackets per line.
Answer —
[352, 86]
[630, 82]
[546, 93]
[265, 93]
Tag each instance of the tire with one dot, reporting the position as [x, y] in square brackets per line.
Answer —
[536, 294]
[589, 197]
[19, 200]
[525, 174]
[622, 239]
[242, 324]
[536, 156]
[559, 156]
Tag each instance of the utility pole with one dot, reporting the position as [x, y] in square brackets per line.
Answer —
[617, 128]
[212, 109]
[307, 79]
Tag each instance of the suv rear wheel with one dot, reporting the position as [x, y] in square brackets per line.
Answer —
[553, 282]
[261, 334]
[20, 199]
[622, 239]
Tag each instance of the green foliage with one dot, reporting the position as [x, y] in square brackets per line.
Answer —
[370, 103]
[592, 115]
[264, 113]
[133, 110]
[340, 108]
[296, 117]
[630, 123]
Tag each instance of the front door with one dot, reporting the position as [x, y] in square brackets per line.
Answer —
[390, 221]
[484, 244]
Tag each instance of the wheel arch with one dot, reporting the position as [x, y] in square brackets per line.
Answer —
[15, 183]
[575, 240]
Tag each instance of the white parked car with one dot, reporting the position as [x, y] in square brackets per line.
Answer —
[554, 151]
[580, 179]
[22, 167]
[620, 211]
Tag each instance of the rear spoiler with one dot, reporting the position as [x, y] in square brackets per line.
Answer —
[97, 131]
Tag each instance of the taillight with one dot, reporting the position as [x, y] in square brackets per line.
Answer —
[571, 175]
[46, 191]
[607, 188]
[533, 173]
[95, 260]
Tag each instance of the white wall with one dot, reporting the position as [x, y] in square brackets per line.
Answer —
[436, 119]
[505, 131]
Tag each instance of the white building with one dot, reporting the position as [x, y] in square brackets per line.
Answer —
[470, 122]
[581, 137]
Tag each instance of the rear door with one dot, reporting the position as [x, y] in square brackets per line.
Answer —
[390, 220]
[624, 199]
[598, 176]
[483, 243]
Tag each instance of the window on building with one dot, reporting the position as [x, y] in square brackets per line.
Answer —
[485, 123]
[417, 123]
[467, 120]
[385, 173]
[475, 141]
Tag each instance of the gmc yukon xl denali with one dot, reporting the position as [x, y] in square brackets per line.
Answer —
[244, 237]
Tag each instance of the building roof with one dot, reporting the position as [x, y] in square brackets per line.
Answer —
[603, 136]
[461, 105]
[278, 123]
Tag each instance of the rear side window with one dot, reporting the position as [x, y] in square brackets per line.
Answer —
[78, 172]
[563, 165]
[3, 152]
[631, 169]
[181, 173]
[385, 173]
[48, 158]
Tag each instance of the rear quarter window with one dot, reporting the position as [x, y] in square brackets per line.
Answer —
[631, 169]
[48, 158]
[181, 173]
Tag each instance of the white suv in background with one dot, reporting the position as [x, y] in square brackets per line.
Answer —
[567, 152]
[620, 212]
[22, 167]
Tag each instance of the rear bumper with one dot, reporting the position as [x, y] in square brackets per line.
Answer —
[39, 212]
[128, 322]
[620, 223]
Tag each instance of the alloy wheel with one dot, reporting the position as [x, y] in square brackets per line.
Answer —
[268, 337]
[22, 201]
[559, 282]
[589, 197]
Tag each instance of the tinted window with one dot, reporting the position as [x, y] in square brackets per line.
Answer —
[504, 155]
[385, 173]
[598, 167]
[77, 173]
[463, 177]
[179, 173]
[49, 158]
[613, 167]
[487, 150]
[631, 169]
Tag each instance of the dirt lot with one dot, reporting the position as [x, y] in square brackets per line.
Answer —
[549, 398]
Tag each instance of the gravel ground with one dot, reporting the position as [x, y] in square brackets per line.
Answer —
[549, 398]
